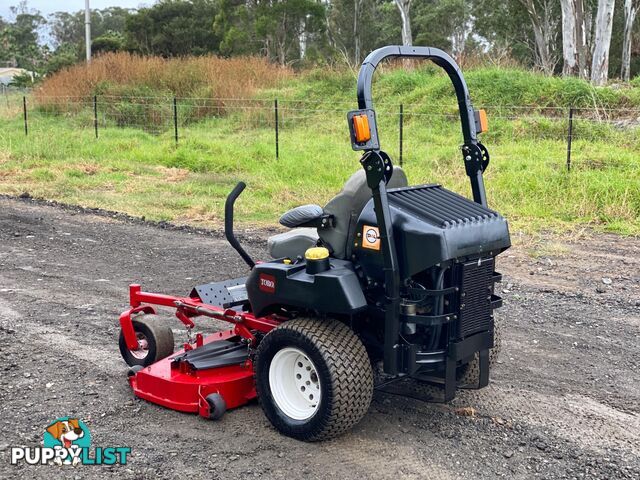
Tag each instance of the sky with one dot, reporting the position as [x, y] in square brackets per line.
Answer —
[50, 6]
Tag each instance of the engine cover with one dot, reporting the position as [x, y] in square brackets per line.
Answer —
[430, 225]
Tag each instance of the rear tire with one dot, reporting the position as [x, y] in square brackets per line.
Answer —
[313, 378]
[155, 342]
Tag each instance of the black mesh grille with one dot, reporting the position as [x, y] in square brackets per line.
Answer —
[475, 296]
[439, 206]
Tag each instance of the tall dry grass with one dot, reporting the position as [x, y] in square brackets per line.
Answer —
[138, 80]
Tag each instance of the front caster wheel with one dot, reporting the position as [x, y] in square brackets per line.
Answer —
[134, 370]
[217, 406]
[155, 342]
[313, 378]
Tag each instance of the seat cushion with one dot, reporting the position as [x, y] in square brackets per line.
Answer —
[300, 216]
[292, 243]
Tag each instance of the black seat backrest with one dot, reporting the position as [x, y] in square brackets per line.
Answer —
[346, 207]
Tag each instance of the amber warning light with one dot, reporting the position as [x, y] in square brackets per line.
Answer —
[484, 122]
[361, 128]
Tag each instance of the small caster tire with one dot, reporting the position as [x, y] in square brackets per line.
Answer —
[133, 370]
[155, 342]
[217, 406]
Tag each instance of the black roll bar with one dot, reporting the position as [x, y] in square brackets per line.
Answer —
[474, 154]
[437, 56]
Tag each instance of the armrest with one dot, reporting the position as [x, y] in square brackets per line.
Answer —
[306, 216]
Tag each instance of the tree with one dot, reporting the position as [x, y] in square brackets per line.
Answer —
[445, 24]
[109, 42]
[404, 6]
[630, 12]
[19, 40]
[280, 24]
[67, 29]
[545, 30]
[574, 38]
[23, 80]
[349, 26]
[506, 29]
[173, 28]
[62, 57]
[235, 26]
[602, 43]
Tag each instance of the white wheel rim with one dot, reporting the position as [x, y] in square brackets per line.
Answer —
[143, 347]
[295, 385]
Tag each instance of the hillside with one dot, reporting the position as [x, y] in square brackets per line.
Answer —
[428, 87]
[135, 167]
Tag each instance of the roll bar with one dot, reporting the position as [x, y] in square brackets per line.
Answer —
[437, 56]
[475, 155]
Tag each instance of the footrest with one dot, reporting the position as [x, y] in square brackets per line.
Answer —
[227, 294]
[219, 353]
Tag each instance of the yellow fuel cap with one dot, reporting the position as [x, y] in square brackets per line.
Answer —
[316, 253]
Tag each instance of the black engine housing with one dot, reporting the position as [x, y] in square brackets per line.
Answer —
[431, 225]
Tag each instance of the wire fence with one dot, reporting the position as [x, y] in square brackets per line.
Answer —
[561, 133]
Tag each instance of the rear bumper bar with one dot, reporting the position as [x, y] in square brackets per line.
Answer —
[440, 366]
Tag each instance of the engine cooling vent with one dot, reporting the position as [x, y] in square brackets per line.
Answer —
[439, 206]
[476, 287]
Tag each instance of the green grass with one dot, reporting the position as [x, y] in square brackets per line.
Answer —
[147, 175]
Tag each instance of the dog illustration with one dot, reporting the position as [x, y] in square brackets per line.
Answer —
[67, 432]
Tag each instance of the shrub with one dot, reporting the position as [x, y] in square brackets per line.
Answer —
[143, 87]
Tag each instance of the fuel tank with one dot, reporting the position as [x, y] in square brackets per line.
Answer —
[275, 284]
[430, 225]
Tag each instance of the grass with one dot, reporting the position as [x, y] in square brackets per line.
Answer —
[142, 174]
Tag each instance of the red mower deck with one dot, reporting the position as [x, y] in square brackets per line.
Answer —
[181, 383]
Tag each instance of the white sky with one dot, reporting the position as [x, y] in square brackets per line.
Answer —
[50, 6]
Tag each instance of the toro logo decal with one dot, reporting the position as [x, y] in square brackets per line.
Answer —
[370, 237]
[267, 283]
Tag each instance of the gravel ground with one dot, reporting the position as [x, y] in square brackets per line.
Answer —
[564, 401]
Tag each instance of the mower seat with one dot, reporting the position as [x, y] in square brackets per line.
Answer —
[293, 243]
[346, 208]
[343, 209]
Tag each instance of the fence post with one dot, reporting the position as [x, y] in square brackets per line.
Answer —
[569, 138]
[401, 130]
[95, 114]
[275, 111]
[24, 109]
[175, 119]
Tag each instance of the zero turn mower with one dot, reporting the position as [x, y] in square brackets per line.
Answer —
[385, 274]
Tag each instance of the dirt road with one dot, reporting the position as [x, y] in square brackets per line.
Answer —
[564, 401]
